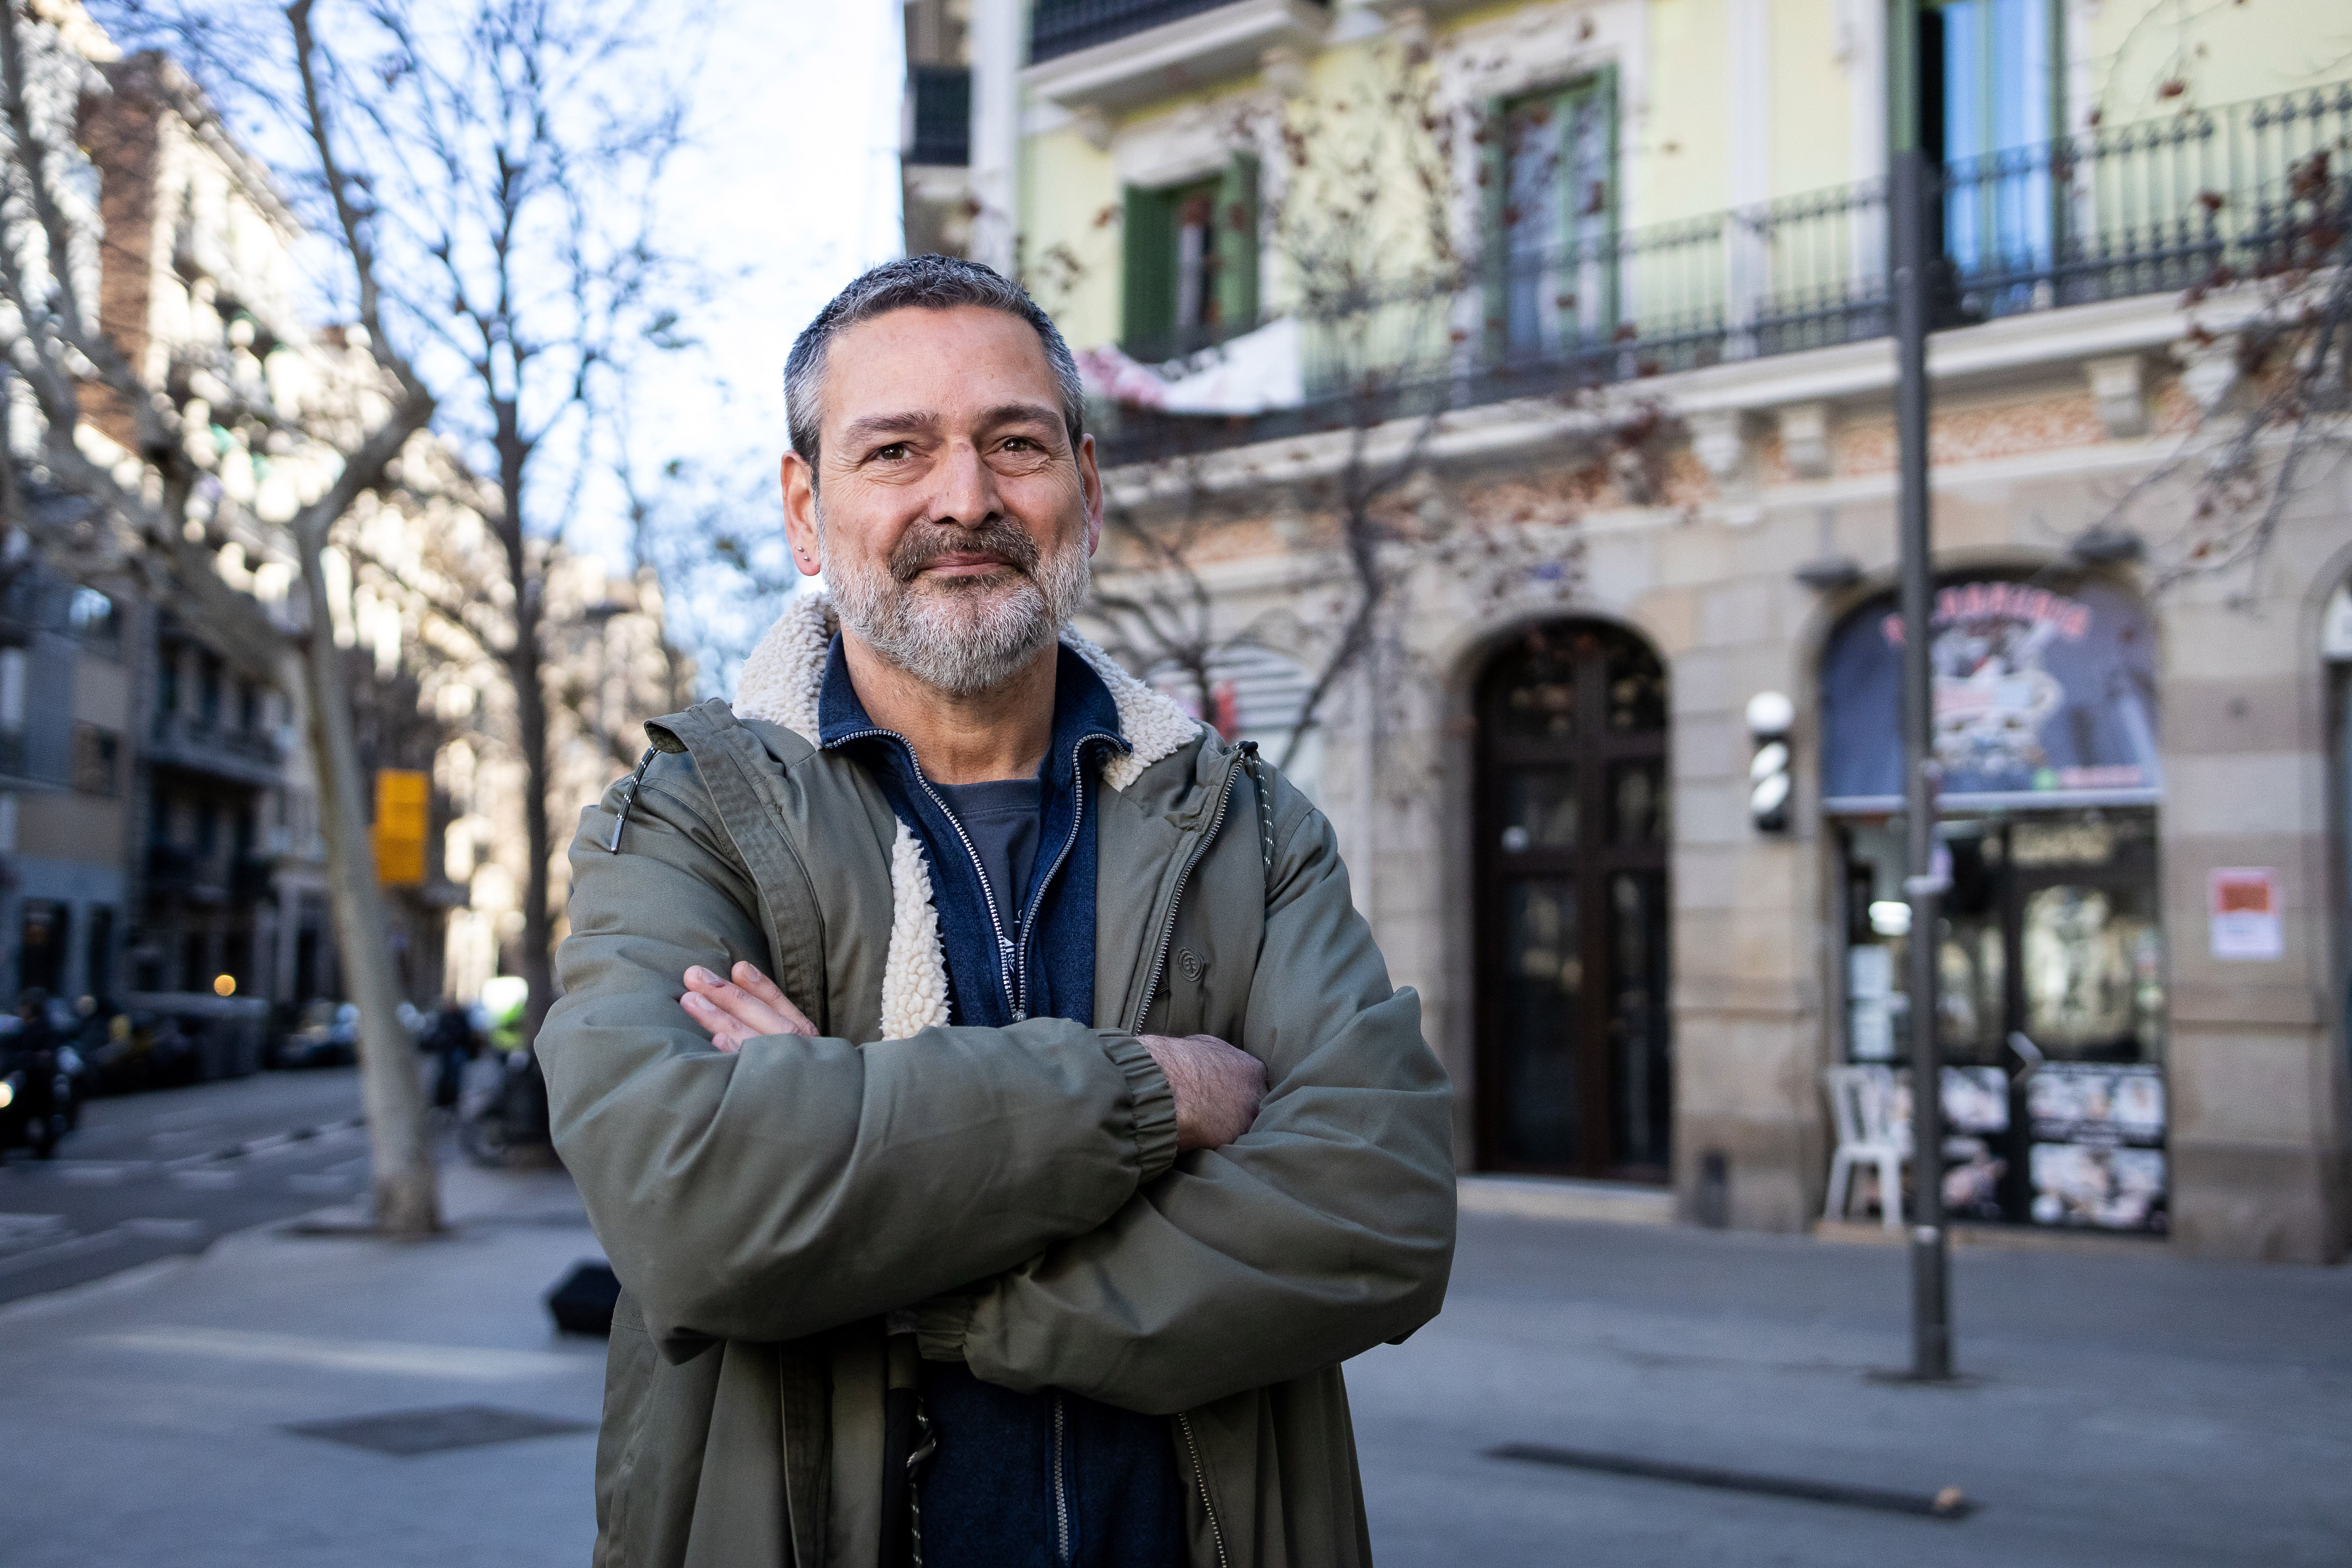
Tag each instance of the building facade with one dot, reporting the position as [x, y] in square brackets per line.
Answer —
[1573, 317]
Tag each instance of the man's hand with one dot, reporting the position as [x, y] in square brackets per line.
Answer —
[1217, 1088]
[751, 1007]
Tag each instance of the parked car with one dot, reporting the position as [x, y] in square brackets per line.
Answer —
[328, 1038]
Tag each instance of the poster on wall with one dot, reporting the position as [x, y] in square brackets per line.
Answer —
[2098, 1156]
[2242, 906]
[2042, 698]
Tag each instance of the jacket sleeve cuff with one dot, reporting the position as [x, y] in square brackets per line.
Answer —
[941, 1324]
[1154, 1102]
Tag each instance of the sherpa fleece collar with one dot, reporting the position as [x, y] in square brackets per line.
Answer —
[784, 678]
[782, 683]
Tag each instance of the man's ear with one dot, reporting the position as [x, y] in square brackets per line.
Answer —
[1090, 483]
[800, 514]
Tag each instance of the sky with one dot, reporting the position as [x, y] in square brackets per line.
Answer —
[790, 190]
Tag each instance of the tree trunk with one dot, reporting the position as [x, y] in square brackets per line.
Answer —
[407, 1199]
[525, 672]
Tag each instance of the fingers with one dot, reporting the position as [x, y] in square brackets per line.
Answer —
[749, 977]
[724, 1032]
[733, 1014]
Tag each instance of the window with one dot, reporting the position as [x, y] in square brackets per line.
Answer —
[98, 759]
[1551, 193]
[1991, 87]
[208, 690]
[1191, 256]
[15, 667]
[93, 617]
[98, 971]
[41, 944]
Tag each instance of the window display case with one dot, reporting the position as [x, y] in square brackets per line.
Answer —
[2051, 1008]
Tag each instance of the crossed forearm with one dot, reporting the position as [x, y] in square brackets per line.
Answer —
[1217, 1087]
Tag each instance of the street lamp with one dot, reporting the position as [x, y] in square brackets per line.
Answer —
[1907, 215]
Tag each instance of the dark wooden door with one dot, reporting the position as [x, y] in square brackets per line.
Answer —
[1574, 1065]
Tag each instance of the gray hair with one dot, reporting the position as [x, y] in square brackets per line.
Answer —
[921, 283]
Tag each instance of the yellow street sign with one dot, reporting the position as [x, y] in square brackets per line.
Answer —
[403, 816]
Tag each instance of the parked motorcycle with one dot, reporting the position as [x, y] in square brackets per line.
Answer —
[37, 1088]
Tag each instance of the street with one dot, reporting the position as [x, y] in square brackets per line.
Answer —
[149, 1176]
[2123, 1406]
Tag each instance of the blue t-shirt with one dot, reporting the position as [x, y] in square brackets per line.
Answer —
[1005, 818]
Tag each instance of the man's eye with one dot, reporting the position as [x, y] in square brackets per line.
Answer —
[891, 453]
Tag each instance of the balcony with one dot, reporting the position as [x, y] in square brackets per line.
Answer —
[939, 107]
[187, 742]
[1111, 55]
[2205, 198]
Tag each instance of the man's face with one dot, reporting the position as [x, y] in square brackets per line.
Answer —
[952, 517]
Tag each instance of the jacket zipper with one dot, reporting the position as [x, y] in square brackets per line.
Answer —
[1029, 918]
[1200, 1479]
[1011, 960]
[987, 894]
[1168, 926]
[1061, 1491]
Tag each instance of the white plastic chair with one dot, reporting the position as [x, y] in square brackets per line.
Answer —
[1862, 1102]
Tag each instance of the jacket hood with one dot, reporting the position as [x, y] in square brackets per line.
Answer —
[784, 674]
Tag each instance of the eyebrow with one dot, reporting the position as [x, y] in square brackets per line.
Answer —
[873, 424]
[1022, 413]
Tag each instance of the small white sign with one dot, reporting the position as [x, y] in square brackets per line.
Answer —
[2243, 904]
[2335, 627]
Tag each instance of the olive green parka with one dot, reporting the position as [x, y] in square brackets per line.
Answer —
[1014, 1190]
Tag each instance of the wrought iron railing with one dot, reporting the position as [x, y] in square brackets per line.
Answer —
[2204, 197]
[1063, 26]
[941, 98]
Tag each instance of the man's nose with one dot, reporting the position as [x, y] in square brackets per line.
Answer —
[966, 490]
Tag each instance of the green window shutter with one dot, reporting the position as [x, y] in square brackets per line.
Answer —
[1600, 104]
[1494, 265]
[1237, 246]
[1147, 246]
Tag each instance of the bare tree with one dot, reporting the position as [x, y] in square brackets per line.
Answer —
[136, 436]
[2271, 327]
[695, 526]
[504, 161]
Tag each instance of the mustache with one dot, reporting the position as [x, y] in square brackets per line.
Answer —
[926, 543]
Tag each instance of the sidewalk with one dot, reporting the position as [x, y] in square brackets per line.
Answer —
[144, 1417]
[2125, 1406]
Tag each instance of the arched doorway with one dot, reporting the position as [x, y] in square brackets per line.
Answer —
[1574, 1064]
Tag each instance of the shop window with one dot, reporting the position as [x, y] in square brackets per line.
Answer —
[1190, 255]
[2050, 1008]
[1551, 182]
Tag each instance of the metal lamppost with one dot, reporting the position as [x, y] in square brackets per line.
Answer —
[1908, 198]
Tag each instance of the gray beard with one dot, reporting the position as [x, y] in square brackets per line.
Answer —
[962, 637]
